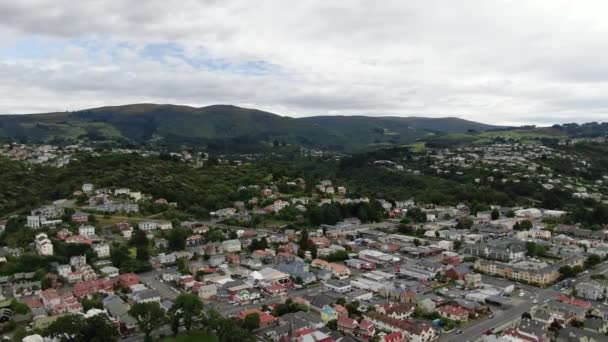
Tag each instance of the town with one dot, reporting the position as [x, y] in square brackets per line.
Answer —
[375, 270]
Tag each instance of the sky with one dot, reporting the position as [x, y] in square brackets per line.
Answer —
[493, 61]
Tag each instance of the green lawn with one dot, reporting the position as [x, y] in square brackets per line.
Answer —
[194, 337]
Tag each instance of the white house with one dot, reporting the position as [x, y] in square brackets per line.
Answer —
[87, 187]
[147, 225]
[231, 246]
[86, 230]
[43, 245]
[146, 296]
[33, 222]
[102, 250]
[279, 205]
[64, 270]
[164, 225]
[110, 271]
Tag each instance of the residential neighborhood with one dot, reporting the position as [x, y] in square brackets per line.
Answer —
[420, 272]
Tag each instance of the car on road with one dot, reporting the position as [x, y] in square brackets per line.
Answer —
[458, 332]
[491, 316]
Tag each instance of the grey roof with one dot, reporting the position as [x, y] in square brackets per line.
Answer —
[570, 334]
[321, 300]
[117, 309]
[146, 294]
[532, 327]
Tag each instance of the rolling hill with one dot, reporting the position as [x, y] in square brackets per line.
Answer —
[224, 127]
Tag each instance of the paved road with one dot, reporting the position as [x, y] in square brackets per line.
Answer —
[165, 289]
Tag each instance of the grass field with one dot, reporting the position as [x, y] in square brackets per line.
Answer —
[418, 147]
[194, 337]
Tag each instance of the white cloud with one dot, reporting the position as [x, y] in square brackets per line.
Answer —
[491, 61]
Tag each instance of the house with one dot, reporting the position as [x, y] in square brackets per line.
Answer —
[87, 288]
[43, 244]
[347, 325]
[339, 271]
[110, 271]
[320, 242]
[529, 330]
[146, 296]
[86, 231]
[147, 225]
[472, 280]
[165, 259]
[592, 290]
[87, 187]
[194, 240]
[337, 286]
[265, 319]
[165, 225]
[126, 280]
[563, 313]
[299, 271]
[207, 291]
[397, 311]
[161, 243]
[80, 217]
[102, 250]
[50, 299]
[415, 331]
[125, 229]
[33, 222]
[396, 336]
[366, 329]
[457, 273]
[119, 312]
[64, 270]
[453, 312]
[279, 205]
[79, 239]
[78, 261]
[231, 246]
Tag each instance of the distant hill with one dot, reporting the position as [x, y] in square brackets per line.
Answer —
[224, 128]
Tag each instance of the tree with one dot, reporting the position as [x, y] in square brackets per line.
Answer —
[251, 321]
[567, 271]
[464, 223]
[119, 254]
[100, 329]
[526, 225]
[495, 214]
[416, 215]
[149, 316]
[592, 260]
[177, 239]
[139, 239]
[188, 309]
[76, 328]
[457, 244]
[68, 328]
[353, 308]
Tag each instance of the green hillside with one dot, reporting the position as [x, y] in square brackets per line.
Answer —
[224, 127]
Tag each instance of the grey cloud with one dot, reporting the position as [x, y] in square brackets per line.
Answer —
[497, 62]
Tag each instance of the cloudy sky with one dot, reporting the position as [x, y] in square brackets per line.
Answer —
[506, 62]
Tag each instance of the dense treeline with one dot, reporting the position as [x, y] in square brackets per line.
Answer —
[198, 191]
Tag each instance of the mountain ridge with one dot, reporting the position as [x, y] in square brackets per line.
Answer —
[225, 126]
